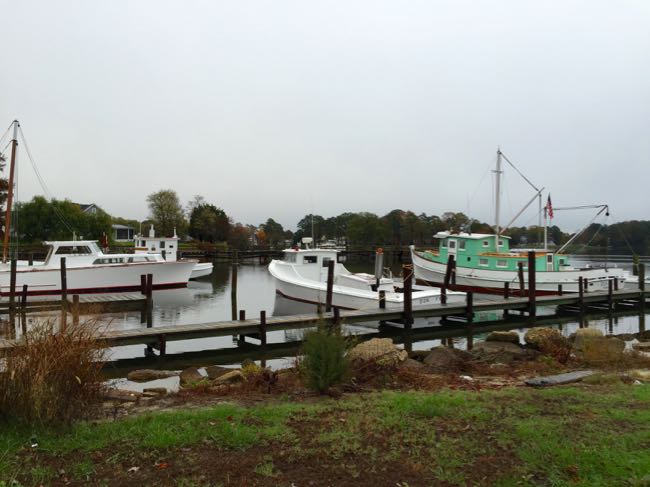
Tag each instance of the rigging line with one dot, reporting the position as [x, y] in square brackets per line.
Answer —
[42, 182]
[6, 132]
[518, 171]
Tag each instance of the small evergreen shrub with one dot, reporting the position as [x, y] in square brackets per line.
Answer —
[324, 363]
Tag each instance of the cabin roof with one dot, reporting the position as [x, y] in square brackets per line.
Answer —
[469, 236]
[310, 251]
[71, 243]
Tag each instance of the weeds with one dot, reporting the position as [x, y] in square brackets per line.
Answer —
[324, 363]
[53, 377]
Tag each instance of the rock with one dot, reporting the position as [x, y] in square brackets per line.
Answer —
[626, 336]
[418, 355]
[247, 363]
[546, 340]
[413, 365]
[161, 391]
[642, 346]
[190, 376]
[583, 334]
[445, 359]
[600, 349]
[554, 380]
[503, 336]
[147, 375]
[215, 371]
[122, 395]
[502, 352]
[230, 377]
[641, 374]
[381, 351]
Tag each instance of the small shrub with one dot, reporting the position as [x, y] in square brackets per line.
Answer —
[53, 377]
[324, 363]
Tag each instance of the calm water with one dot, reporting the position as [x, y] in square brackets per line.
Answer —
[208, 300]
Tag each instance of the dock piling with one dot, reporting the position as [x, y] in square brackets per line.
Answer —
[64, 293]
[532, 306]
[233, 287]
[330, 286]
[581, 295]
[149, 298]
[75, 310]
[407, 273]
[520, 274]
[12, 293]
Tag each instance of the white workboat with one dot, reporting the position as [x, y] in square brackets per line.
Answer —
[302, 276]
[89, 270]
[168, 248]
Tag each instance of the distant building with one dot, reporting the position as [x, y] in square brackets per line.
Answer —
[90, 208]
[122, 233]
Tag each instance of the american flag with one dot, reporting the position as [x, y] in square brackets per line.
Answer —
[549, 207]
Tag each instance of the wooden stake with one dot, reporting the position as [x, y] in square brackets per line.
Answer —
[532, 307]
[233, 289]
[407, 272]
[520, 274]
[330, 286]
[64, 294]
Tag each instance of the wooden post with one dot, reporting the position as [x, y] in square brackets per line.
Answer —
[616, 284]
[23, 297]
[506, 290]
[263, 330]
[585, 284]
[407, 273]
[330, 286]
[64, 294]
[448, 271]
[149, 298]
[520, 273]
[382, 300]
[242, 315]
[532, 307]
[233, 289]
[642, 286]
[337, 316]
[443, 295]
[12, 293]
[559, 290]
[581, 295]
[610, 291]
[469, 311]
[75, 310]
[143, 284]
[31, 259]
[162, 345]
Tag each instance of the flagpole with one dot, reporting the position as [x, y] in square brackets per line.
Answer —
[546, 228]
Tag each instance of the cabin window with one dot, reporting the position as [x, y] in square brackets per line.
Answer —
[76, 249]
[561, 261]
[502, 263]
[500, 243]
[310, 259]
[549, 258]
[452, 244]
[483, 262]
[443, 243]
[486, 243]
[289, 257]
[326, 261]
[109, 260]
[461, 245]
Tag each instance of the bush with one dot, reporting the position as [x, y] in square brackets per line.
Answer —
[52, 378]
[324, 363]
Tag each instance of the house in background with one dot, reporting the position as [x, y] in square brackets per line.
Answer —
[122, 233]
[90, 208]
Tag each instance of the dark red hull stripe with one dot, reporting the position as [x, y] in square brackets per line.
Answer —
[96, 290]
[485, 290]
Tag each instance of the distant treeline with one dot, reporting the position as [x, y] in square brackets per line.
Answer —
[208, 225]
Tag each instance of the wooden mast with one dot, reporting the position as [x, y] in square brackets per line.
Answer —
[10, 192]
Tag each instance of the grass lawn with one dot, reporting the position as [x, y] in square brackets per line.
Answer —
[578, 436]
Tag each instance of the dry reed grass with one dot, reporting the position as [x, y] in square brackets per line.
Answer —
[53, 377]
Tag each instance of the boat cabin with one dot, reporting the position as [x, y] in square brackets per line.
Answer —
[318, 257]
[80, 253]
[489, 252]
[166, 246]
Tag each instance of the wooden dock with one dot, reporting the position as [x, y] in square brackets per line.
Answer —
[464, 312]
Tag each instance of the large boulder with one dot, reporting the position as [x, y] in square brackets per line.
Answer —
[600, 349]
[191, 376]
[445, 359]
[147, 375]
[503, 336]
[583, 334]
[380, 351]
[503, 352]
[546, 340]
[231, 377]
[215, 371]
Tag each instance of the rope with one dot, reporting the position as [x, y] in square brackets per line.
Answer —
[46, 190]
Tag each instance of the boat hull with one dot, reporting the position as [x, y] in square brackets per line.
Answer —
[315, 292]
[43, 281]
[493, 282]
[201, 269]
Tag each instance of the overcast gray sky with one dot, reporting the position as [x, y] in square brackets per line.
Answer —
[280, 108]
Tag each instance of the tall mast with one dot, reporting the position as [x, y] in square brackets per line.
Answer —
[10, 192]
[545, 228]
[497, 190]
